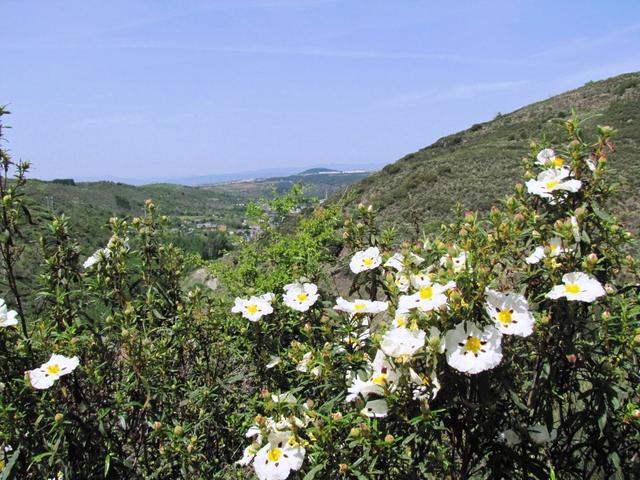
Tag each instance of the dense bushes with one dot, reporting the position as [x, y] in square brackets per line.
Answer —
[427, 370]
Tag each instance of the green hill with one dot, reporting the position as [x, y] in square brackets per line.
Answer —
[481, 164]
[90, 205]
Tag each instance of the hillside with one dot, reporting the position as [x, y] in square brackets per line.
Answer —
[481, 164]
[89, 205]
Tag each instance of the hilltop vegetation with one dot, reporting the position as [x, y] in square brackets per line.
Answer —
[479, 165]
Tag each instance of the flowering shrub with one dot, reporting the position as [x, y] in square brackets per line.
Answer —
[505, 348]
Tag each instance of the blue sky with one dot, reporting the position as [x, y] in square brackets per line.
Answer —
[158, 89]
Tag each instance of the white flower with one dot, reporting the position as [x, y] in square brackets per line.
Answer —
[273, 361]
[95, 257]
[304, 363]
[278, 457]
[402, 282]
[472, 350]
[577, 286]
[300, 296]
[360, 306]
[365, 260]
[58, 365]
[268, 297]
[397, 261]
[509, 438]
[540, 434]
[510, 312]
[401, 319]
[555, 249]
[548, 158]
[553, 180]
[402, 342]
[286, 397]
[380, 373]
[426, 388]
[253, 308]
[429, 297]
[375, 409]
[248, 454]
[254, 432]
[8, 318]
[364, 388]
[422, 279]
[458, 262]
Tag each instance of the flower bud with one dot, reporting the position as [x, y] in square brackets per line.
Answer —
[365, 430]
[190, 447]
[157, 425]
[58, 418]
[636, 413]
[606, 315]
[343, 468]
[178, 430]
[388, 438]
[260, 420]
[361, 206]
[309, 403]
[337, 416]
[370, 208]
[264, 393]
[355, 432]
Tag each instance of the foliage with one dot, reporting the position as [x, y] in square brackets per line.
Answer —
[169, 380]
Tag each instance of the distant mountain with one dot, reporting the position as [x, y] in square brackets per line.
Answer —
[236, 176]
[313, 171]
[480, 165]
[318, 182]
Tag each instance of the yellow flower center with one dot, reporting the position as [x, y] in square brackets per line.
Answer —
[302, 297]
[552, 247]
[368, 262]
[426, 293]
[252, 308]
[552, 184]
[292, 442]
[359, 306]
[558, 162]
[380, 379]
[472, 345]
[274, 454]
[53, 369]
[401, 321]
[572, 288]
[504, 317]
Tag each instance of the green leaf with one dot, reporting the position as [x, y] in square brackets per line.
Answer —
[312, 473]
[6, 471]
[601, 214]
